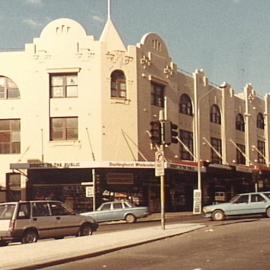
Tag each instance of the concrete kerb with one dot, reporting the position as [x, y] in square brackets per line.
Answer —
[72, 249]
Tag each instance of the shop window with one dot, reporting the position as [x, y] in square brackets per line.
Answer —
[187, 138]
[63, 85]
[260, 121]
[63, 128]
[157, 94]
[118, 84]
[239, 122]
[185, 105]
[10, 141]
[13, 184]
[261, 152]
[8, 89]
[240, 158]
[216, 144]
[215, 116]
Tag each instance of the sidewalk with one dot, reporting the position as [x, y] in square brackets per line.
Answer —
[48, 253]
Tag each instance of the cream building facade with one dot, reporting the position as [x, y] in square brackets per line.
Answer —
[74, 105]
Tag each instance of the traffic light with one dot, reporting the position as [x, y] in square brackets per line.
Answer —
[170, 132]
[155, 132]
[174, 133]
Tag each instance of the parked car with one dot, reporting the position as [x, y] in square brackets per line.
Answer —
[241, 204]
[118, 210]
[27, 221]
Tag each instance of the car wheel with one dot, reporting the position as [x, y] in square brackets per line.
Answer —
[58, 237]
[3, 243]
[218, 215]
[268, 212]
[85, 230]
[29, 236]
[130, 218]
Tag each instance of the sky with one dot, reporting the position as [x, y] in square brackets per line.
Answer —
[228, 39]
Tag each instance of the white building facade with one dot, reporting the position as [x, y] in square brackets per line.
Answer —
[74, 109]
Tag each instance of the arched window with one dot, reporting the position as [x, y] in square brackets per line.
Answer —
[260, 121]
[239, 122]
[118, 84]
[215, 116]
[185, 105]
[8, 89]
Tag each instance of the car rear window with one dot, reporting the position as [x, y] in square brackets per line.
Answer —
[7, 211]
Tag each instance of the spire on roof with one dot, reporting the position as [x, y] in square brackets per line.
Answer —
[110, 35]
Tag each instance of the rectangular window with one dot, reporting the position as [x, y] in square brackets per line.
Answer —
[240, 158]
[63, 128]
[10, 142]
[261, 152]
[187, 138]
[63, 85]
[216, 144]
[157, 94]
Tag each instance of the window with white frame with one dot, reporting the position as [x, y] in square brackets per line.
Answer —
[185, 105]
[157, 94]
[260, 121]
[10, 141]
[64, 85]
[216, 144]
[118, 84]
[239, 122]
[63, 128]
[8, 88]
[240, 151]
[187, 138]
[261, 152]
[215, 115]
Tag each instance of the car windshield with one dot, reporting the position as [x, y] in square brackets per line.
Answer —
[267, 194]
[234, 198]
[6, 211]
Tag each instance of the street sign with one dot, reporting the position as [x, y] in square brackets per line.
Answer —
[86, 183]
[159, 163]
[197, 201]
[89, 192]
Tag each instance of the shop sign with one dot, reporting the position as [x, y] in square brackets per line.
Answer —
[197, 200]
[89, 191]
[120, 178]
[132, 164]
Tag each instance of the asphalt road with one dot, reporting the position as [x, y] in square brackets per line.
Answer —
[231, 245]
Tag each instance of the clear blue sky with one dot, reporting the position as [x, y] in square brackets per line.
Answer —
[229, 39]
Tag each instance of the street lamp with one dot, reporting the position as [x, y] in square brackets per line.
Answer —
[197, 205]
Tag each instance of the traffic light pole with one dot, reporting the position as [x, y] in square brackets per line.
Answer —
[162, 117]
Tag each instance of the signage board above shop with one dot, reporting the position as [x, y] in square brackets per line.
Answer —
[83, 164]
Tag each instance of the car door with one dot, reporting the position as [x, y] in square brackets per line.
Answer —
[66, 223]
[257, 204]
[118, 210]
[240, 206]
[104, 212]
[42, 219]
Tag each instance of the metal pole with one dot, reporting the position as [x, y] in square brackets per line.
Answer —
[162, 196]
[162, 117]
[94, 188]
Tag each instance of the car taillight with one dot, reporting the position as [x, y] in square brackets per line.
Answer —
[11, 225]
